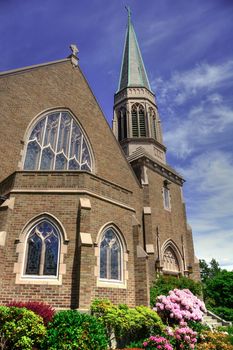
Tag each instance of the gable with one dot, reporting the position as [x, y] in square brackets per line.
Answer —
[26, 94]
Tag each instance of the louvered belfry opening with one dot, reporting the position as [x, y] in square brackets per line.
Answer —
[138, 120]
[122, 124]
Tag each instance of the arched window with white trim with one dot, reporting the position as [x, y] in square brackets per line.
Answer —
[111, 256]
[42, 250]
[57, 142]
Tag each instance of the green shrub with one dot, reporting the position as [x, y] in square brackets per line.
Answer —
[72, 330]
[219, 290]
[163, 284]
[229, 330]
[127, 323]
[20, 328]
[223, 312]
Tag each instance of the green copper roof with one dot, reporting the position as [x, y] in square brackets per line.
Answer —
[133, 72]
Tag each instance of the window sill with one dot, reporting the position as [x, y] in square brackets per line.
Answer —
[39, 280]
[111, 284]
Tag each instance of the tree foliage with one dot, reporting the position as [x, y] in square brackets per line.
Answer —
[218, 289]
[164, 284]
[209, 271]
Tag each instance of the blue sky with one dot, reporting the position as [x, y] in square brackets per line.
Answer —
[187, 48]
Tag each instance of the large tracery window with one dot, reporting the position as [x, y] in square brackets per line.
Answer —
[42, 250]
[138, 120]
[110, 256]
[57, 142]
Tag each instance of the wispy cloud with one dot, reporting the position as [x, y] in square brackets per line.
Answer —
[187, 84]
[210, 206]
[202, 126]
[196, 113]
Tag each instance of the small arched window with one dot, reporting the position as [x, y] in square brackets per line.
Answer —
[138, 120]
[111, 256]
[57, 142]
[170, 261]
[42, 250]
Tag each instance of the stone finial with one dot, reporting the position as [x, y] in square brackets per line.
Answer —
[74, 49]
[73, 57]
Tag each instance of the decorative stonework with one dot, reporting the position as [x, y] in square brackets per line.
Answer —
[170, 262]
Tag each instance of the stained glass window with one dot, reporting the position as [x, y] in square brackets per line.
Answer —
[110, 256]
[42, 250]
[57, 143]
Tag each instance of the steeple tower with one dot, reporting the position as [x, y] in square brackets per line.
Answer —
[136, 122]
[133, 71]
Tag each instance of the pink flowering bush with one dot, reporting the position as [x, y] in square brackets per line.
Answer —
[182, 338]
[180, 306]
[157, 342]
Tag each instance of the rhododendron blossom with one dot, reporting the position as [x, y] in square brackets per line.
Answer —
[180, 306]
[157, 342]
[185, 338]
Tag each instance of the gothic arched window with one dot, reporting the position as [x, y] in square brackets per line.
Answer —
[170, 261]
[57, 142]
[42, 250]
[111, 256]
[138, 120]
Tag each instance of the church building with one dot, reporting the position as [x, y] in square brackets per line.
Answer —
[85, 211]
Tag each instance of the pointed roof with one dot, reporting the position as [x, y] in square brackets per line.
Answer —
[133, 72]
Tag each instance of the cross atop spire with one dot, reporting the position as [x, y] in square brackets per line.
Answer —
[129, 13]
[133, 72]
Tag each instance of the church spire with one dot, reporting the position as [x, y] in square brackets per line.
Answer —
[136, 122]
[133, 72]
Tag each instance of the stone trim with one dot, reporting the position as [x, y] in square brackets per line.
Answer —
[9, 203]
[141, 252]
[150, 249]
[2, 238]
[22, 70]
[147, 210]
[85, 203]
[86, 239]
[81, 191]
